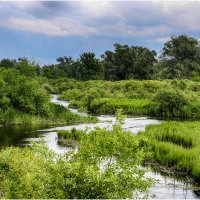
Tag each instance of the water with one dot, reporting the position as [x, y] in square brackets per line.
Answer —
[166, 188]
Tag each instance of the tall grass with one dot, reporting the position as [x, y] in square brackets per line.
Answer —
[177, 145]
[59, 115]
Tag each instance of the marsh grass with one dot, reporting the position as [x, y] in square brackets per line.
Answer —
[59, 115]
[176, 145]
[70, 137]
[73, 134]
[130, 106]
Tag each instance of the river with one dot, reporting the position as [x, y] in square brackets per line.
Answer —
[168, 187]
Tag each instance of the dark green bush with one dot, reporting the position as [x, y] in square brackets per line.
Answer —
[170, 103]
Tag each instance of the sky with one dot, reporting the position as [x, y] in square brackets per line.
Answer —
[46, 30]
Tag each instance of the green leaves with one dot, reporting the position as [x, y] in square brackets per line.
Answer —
[128, 62]
[181, 57]
[106, 165]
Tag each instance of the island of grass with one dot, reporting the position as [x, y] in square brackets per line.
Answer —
[70, 138]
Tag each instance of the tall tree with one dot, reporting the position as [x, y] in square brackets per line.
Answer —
[64, 66]
[128, 62]
[90, 67]
[8, 63]
[181, 57]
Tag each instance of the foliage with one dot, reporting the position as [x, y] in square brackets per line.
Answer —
[23, 93]
[170, 103]
[128, 62]
[26, 67]
[86, 68]
[107, 165]
[90, 67]
[169, 98]
[24, 101]
[181, 57]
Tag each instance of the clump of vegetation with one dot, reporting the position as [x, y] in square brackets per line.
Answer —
[169, 98]
[71, 137]
[175, 145]
[130, 106]
[170, 103]
[24, 101]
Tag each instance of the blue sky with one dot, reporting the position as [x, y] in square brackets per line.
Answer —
[45, 30]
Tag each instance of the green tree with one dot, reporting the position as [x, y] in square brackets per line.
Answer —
[26, 67]
[64, 66]
[181, 57]
[90, 67]
[128, 62]
[8, 63]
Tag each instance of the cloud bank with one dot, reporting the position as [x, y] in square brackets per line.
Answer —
[107, 18]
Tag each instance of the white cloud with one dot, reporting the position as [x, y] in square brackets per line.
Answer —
[55, 27]
[106, 18]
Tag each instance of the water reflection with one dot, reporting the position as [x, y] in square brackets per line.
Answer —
[13, 135]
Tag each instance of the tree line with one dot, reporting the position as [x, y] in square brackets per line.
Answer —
[179, 59]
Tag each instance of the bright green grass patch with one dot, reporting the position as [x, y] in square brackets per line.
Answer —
[73, 134]
[70, 137]
[177, 145]
[129, 106]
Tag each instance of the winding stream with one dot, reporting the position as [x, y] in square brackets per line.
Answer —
[166, 188]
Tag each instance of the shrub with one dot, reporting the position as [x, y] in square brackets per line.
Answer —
[170, 103]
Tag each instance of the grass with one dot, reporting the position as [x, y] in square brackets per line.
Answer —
[166, 98]
[130, 106]
[70, 138]
[73, 134]
[58, 116]
[175, 145]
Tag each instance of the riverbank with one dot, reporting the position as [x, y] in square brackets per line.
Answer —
[91, 172]
[166, 99]
[59, 115]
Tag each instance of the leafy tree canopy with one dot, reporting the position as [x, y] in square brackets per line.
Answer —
[128, 62]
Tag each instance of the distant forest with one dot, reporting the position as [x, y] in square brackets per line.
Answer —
[179, 59]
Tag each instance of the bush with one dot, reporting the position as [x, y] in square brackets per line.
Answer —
[106, 166]
[170, 103]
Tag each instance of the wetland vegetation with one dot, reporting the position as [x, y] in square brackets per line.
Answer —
[108, 162]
